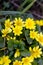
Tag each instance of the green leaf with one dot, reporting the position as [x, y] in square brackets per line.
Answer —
[1, 42]
[28, 7]
[25, 53]
[1, 53]
[0, 26]
[14, 44]
[6, 4]
[29, 40]
[10, 44]
[9, 12]
[21, 45]
[40, 62]
[34, 62]
[2, 20]
[38, 28]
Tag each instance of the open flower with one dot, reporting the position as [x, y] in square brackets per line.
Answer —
[27, 60]
[30, 23]
[17, 30]
[18, 22]
[5, 60]
[16, 62]
[36, 52]
[33, 34]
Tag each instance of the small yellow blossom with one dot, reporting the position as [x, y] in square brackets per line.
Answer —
[5, 60]
[36, 52]
[30, 24]
[18, 22]
[9, 37]
[17, 53]
[27, 60]
[6, 31]
[17, 30]
[39, 22]
[39, 38]
[16, 62]
[8, 23]
[33, 34]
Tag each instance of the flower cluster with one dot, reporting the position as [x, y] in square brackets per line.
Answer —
[17, 28]
[35, 53]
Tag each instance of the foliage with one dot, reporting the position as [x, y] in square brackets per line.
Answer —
[20, 46]
[21, 36]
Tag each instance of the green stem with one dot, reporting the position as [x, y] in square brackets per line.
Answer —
[4, 46]
[28, 7]
[21, 6]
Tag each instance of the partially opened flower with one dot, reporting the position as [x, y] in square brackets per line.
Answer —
[9, 37]
[36, 52]
[17, 53]
[6, 31]
[8, 23]
[39, 38]
[39, 22]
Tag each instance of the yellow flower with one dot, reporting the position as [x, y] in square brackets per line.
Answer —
[8, 23]
[33, 34]
[36, 52]
[18, 22]
[6, 31]
[16, 62]
[27, 60]
[17, 53]
[39, 22]
[9, 37]
[5, 60]
[1, 61]
[30, 24]
[17, 30]
[39, 38]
